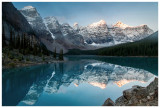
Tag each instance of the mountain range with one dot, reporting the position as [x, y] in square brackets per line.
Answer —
[144, 47]
[94, 36]
[50, 33]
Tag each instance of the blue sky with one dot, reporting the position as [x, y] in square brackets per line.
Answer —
[84, 13]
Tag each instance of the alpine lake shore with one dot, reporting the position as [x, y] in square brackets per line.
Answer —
[13, 59]
[135, 96]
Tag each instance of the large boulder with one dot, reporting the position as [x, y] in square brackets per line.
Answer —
[108, 102]
[140, 96]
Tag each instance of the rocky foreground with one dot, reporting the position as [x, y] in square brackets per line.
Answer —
[137, 96]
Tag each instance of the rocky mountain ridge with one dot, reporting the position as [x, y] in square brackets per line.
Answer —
[93, 36]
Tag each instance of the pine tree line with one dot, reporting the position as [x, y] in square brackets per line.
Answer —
[27, 44]
[60, 57]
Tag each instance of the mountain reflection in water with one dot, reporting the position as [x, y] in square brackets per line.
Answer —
[61, 83]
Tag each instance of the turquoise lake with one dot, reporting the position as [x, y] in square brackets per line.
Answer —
[79, 81]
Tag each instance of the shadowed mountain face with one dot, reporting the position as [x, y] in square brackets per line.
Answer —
[15, 24]
[12, 18]
[27, 85]
[36, 22]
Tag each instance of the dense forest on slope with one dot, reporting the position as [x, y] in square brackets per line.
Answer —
[145, 47]
[20, 44]
[17, 33]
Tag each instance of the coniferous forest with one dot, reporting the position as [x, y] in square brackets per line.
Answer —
[24, 48]
[21, 45]
[24, 43]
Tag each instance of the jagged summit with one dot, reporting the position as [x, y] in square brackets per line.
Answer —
[121, 25]
[30, 11]
[100, 23]
[52, 24]
[51, 19]
[75, 24]
[96, 34]
[28, 8]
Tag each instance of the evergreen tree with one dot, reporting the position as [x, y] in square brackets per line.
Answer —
[14, 40]
[17, 41]
[21, 42]
[54, 55]
[29, 44]
[24, 41]
[11, 37]
[43, 59]
[3, 37]
[61, 54]
[48, 53]
[35, 49]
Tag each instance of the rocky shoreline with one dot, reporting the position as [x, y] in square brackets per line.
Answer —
[137, 96]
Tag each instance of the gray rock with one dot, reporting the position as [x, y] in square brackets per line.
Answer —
[132, 101]
[148, 97]
[144, 100]
[151, 94]
[108, 102]
[128, 93]
[152, 86]
[140, 96]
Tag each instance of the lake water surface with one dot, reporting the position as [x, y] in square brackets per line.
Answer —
[80, 81]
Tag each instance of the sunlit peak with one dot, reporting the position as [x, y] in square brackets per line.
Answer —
[75, 24]
[100, 23]
[124, 81]
[100, 85]
[76, 84]
[121, 25]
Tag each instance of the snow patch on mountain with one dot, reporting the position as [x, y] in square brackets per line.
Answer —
[48, 30]
[53, 24]
[97, 34]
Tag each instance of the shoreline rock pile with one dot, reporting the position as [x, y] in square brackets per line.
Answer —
[137, 96]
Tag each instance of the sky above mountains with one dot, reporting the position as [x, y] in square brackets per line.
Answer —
[84, 13]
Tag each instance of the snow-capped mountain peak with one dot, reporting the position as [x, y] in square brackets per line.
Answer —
[28, 8]
[120, 25]
[75, 24]
[100, 23]
[97, 34]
